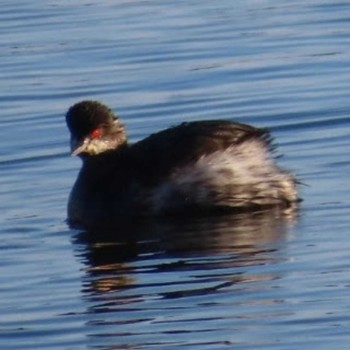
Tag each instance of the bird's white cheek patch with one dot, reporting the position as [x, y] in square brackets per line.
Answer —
[97, 146]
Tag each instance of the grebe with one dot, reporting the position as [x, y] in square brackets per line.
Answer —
[198, 166]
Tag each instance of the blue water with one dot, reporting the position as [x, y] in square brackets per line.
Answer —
[244, 282]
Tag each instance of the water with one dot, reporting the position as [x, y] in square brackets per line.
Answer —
[245, 282]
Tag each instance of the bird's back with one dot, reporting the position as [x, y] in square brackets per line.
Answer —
[162, 152]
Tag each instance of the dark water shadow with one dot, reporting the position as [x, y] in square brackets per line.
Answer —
[111, 254]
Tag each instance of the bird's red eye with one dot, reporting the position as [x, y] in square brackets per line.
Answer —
[95, 134]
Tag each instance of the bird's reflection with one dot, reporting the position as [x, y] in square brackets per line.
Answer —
[112, 254]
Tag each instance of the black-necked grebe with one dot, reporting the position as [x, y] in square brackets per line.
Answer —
[199, 166]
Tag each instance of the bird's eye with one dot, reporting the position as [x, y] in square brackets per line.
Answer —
[96, 134]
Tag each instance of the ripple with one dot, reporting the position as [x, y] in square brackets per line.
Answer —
[206, 284]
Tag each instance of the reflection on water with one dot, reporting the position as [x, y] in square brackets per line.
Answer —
[239, 282]
[129, 266]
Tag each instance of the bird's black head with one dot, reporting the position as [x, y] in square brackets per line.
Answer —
[94, 128]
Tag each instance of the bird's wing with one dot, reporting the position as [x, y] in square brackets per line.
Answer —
[159, 154]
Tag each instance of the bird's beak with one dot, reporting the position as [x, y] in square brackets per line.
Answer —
[77, 146]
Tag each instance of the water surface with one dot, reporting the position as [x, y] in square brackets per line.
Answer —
[261, 280]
